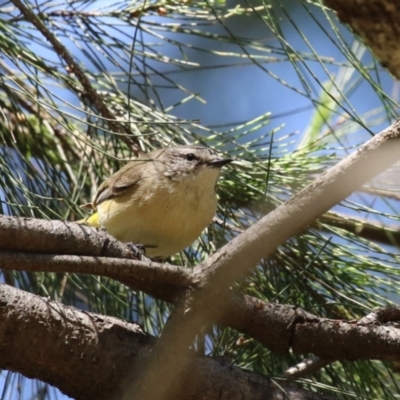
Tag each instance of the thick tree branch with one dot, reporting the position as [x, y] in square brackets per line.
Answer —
[276, 326]
[96, 352]
[58, 237]
[377, 23]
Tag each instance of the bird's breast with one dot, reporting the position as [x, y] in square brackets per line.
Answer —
[166, 218]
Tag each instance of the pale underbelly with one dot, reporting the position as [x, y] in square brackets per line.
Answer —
[163, 230]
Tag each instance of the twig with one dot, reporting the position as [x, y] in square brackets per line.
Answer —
[362, 228]
[307, 367]
[382, 315]
[391, 194]
[224, 224]
[73, 68]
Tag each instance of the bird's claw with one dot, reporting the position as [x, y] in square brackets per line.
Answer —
[138, 250]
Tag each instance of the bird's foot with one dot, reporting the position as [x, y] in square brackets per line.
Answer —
[138, 250]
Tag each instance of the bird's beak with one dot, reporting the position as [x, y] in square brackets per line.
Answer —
[220, 162]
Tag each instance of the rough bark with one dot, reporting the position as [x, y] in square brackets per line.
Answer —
[281, 328]
[87, 356]
[377, 23]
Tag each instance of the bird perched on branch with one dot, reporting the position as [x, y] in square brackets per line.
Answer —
[163, 200]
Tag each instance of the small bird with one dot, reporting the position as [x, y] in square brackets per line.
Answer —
[163, 200]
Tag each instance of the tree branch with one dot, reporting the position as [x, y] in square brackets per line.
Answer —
[88, 91]
[307, 367]
[111, 267]
[376, 232]
[276, 326]
[377, 23]
[165, 281]
[96, 352]
[58, 237]
[229, 264]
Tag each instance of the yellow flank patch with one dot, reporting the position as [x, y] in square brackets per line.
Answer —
[92, 221]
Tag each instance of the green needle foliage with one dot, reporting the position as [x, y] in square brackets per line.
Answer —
[56, 147]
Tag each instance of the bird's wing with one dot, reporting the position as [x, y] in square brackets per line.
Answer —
[119, 183]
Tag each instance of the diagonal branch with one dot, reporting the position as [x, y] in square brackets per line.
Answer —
[229, 264]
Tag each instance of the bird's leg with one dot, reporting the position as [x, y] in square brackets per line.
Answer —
[138, 250]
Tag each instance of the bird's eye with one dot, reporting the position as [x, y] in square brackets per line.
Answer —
[190, 157]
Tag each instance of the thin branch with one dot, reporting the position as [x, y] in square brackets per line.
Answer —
[225, 224]
[391, 194]
[102, 266]
[381, 316]
[307, 367]
[372, 231]
[73, 68]
[131, 13]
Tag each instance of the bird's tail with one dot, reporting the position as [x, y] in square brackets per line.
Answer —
[92, 220]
